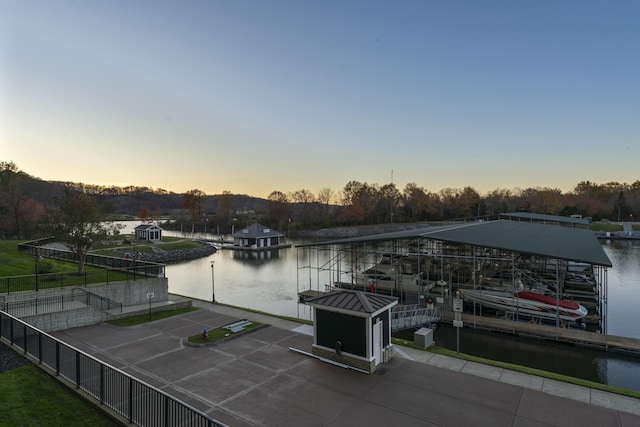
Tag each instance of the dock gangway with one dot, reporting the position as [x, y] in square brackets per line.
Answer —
[414, 316]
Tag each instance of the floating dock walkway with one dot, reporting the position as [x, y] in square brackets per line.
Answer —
[548, 332]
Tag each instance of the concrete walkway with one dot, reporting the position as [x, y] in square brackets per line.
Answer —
[255, 380]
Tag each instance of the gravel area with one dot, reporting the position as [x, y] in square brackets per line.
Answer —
[10, 359]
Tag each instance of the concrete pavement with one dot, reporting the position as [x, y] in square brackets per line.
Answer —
[255, 380]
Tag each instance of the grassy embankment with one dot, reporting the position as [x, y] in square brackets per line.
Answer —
[31, 397]
[14, 263]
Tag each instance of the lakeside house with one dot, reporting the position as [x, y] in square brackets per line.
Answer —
[257, 236]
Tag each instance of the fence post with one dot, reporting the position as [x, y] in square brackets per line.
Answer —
[57, 358]
[167, 402]
[77, 369]
[102, 384]
[130, 400]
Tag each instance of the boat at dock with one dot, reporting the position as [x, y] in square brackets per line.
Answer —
[392, 273]
[527, 303]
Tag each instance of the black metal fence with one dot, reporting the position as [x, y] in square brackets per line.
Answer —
[112, 269]
[141, 404]
[76, 299]
[37, 249]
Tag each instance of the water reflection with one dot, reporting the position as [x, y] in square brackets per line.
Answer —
[256, 257]
[594, 365]
[624, 287]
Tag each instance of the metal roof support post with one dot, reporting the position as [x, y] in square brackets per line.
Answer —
[475, 266]
[606, 310]
[557, 296]
[309, 264]
[514, 312]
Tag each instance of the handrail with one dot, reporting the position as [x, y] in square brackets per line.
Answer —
[410, 316]
[104, 303]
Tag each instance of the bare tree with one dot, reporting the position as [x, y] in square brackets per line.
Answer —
[324, 200]
[145, 213]
[78, 223]
[278, 208]
[226, 207]
[192, 202]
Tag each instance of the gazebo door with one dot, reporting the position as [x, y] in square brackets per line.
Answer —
[377, 342]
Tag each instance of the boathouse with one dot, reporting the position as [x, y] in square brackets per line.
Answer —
[257, 236]
[353, 328]
[148, 232]
[558, 257]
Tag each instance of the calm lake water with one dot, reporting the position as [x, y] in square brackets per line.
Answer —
[268, 281]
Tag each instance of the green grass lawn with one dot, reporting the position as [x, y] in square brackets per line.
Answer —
[144, 318]
[600, 226]
[218, 334]
[31, 397]
[168, 244]
[14, 263]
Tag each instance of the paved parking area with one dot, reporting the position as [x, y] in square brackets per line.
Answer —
[255, 380]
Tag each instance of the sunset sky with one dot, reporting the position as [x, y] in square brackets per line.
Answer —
[256, 96]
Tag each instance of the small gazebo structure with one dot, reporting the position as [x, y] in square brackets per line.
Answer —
[353, 328]
[149, 232]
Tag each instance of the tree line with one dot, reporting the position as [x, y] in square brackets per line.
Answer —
[27, 202]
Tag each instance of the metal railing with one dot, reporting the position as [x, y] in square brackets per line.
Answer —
[142, 268]
[35, 306]
[112, 269]
[411, 316]
[96, 301]
[139, 403]
[36, 282]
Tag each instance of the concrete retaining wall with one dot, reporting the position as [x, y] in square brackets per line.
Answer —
[128, 293]
[132, 292]
[61, 320]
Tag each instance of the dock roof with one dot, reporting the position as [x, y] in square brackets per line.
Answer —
[256, 231]
[567, 243]
[556, 219]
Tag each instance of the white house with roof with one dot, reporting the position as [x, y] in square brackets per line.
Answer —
[149, 232]
[257, 236]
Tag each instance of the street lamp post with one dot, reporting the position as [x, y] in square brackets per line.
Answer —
[135, 255]
[213, 284]
[36, 259]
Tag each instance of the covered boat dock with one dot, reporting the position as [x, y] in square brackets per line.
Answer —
[556, 256]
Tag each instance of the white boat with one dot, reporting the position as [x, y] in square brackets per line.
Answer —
[527, 303]
[391, 273]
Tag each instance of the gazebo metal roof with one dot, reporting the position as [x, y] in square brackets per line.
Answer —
[351, 300]
[568, 243]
